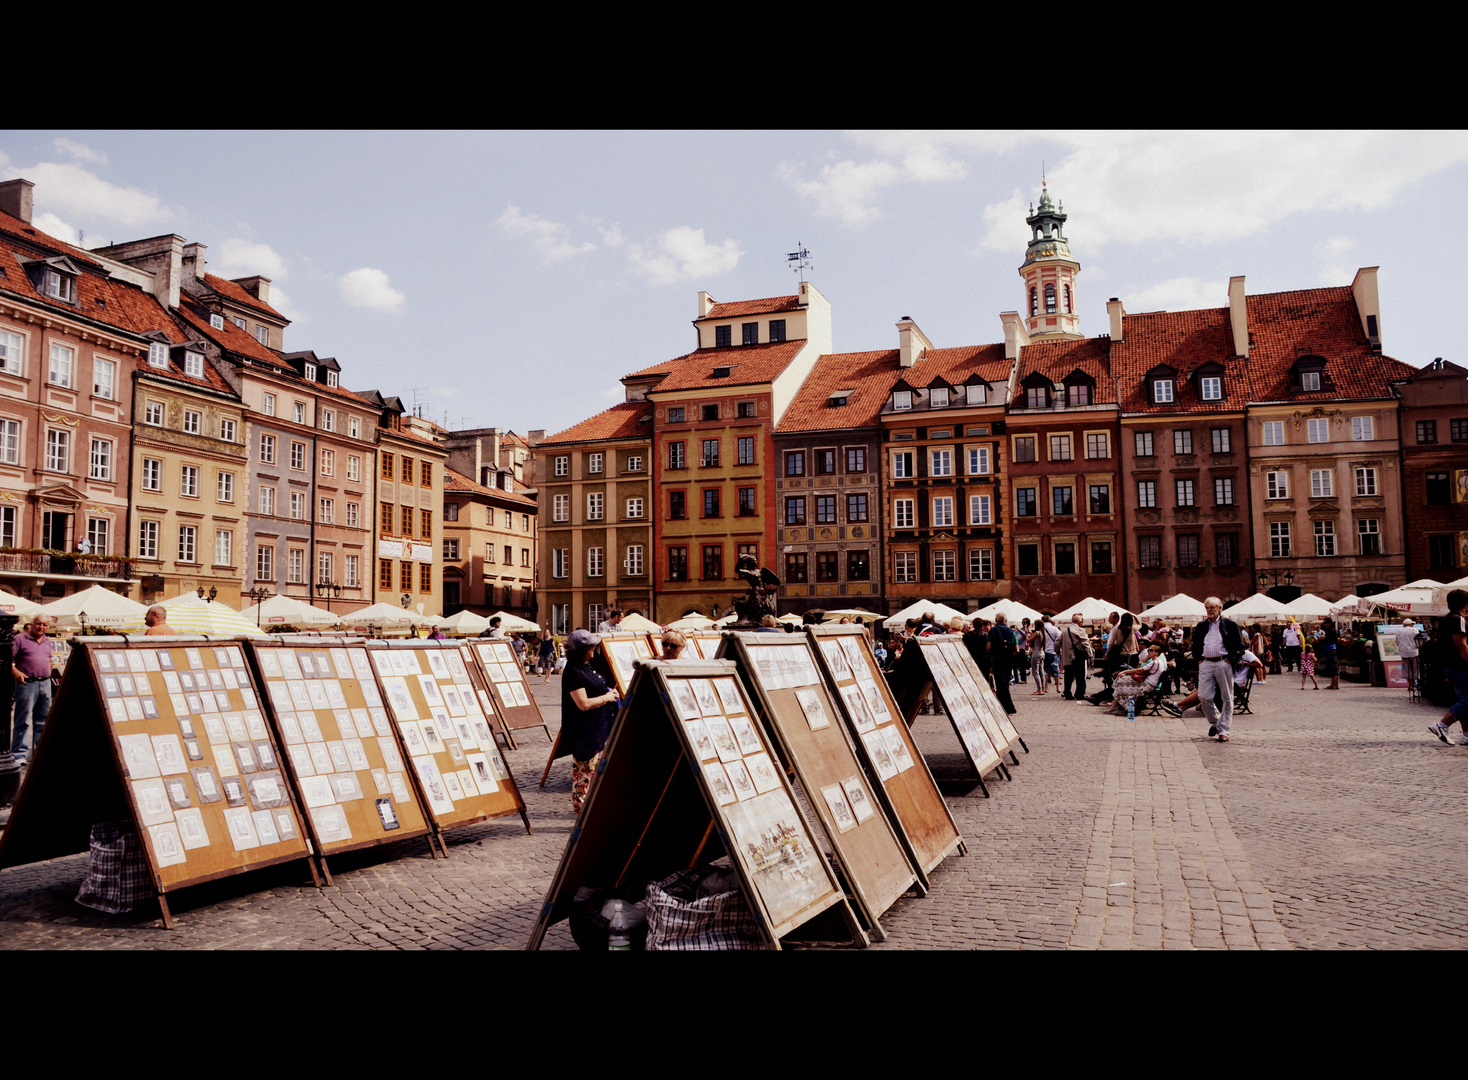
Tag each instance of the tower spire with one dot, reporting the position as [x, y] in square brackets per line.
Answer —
[1049, 271]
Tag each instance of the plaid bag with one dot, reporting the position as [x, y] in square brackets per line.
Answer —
[118, 879]
[679, 919]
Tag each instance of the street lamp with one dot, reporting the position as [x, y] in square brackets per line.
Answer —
[328, 591]
[1265, 576]
[213, 592]
[259, 594]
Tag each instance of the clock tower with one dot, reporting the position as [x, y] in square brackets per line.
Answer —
[1049, 274]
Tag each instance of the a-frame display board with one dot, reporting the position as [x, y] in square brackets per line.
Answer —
[665, 799]
[906, 785]
[981, 723]
[620, 652]
[461, 775]
[702, 644]
[170, 734]
[339, 745]
[482, 691]
[780, 672]
[512, 696]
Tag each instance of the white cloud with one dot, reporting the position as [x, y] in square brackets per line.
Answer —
[612, 237]
[612, 394]
[551, 239]
[369, 288]
[79, 193]
[848, 190]
[683, 254]
[52, 225]
[236, 257]
[1176, 294]
[282, 303]
[81, 152]
[1336, 267]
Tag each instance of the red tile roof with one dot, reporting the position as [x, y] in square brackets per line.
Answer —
[226, 288]
[1057, 359]
[1285, 326]
[752, 364]
[768, 306]
[457, 483]
[406, 434]
[1183, 340]
[618, 422]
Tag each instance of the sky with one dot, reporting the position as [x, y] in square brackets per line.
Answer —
[511, 278]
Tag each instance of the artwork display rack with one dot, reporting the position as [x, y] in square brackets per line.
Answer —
[620, 653]
[781, 674]
[665, 799]
[702, 644]
[512, 697]
[168, 734]
[911, 797]
[983, 728]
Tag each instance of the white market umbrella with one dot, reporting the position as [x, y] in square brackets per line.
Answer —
[1414, 599]
[1258, 608]
[1352, 605]
[190, 597]
[1014, 612]
[188, 614]
[465, 624]
[10, 604]
[855, 614]
[1440, 595]
[389, 618]
[103, 607]
[282, 610]
[1090, 610]
[942, 613]
[639, 624]
[1309, 606]
[1180, 607]
[513, 624]
[691, 622]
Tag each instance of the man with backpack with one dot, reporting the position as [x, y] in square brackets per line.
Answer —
[1075, 652]
[1002, 651]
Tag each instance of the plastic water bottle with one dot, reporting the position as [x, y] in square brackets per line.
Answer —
[1131, 709]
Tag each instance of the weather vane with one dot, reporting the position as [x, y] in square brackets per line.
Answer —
[801, 259]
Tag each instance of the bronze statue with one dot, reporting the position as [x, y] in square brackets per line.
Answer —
[761, 599]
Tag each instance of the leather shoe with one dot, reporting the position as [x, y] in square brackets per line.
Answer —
[1212, 732]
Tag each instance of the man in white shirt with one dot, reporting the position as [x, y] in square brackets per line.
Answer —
[611, 623]
[1406, 636]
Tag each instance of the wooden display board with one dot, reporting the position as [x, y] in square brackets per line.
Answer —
[517, 705]
[665, 800]
[981, 723]
[781, 674]
[913, 801]
[702, 644]
[620, 652]
[461, 775]
[170, 733]
[483, 692]
[343, 754]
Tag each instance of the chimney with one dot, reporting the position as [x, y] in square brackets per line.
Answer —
[193, 260]
[705, 303]
[1016, 336]
[1238, 316]
[160, 256]
[15, 199]
[1117, 313]
[1368, 305]
[911, 342]
[257, 286]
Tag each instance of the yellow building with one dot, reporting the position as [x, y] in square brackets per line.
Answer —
[410, 475]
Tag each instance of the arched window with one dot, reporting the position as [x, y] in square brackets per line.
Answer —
[1034, 302]
[1067, 299]
[1049, 299]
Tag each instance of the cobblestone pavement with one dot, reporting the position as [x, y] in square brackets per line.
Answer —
[1326, 823]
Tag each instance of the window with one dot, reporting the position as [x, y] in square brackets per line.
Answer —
[226, 430]
[1438, 489]
[223, 547]
[560, 508]
[1277, 485]
[1149, 552]
[723, 337]
[1187, 550]
[942, 463]
[944, 564]
[353, 515]
[1226, 549]
[1324, 538]
[709, 412]
[747, 506]
[268, 404]
[295, 566]
[976, 393]
[194, 364]
[749, 333]
[634, 508]
[388, 469]
[1101, 558]
[1458, 430]
[388, 519]
[425, 581]
[1162, 391]
[795, 510]
[1097, 445]
[1223, 491]
[298, 506]
[634, 463]
[1049, 299]
[856, 507]
[405, 576]
[1366, 482]
[1427, 431]
[1025, 503]
[795, 463]
[1036, 397]
[827, 565]
[328, 462]
[407, 470]
[978, 461]
[980, 564]
[826, 509]
[1146, 494]
[1322, 483]
[1078, 394]
[675, 416]
[1273, 432]
[328, 420]
[58, 451]
[677, 508]
[858, 566]
[1363, 428]
[904, 567]
[1279, 539]
[710, 453]
[633, 562]
[1212, 387]
[99, 532]
[1065, 558]
[101, 461]
[979, 512]
[267, 501]
[795, 568]
[594, 463]
[267, 448]
[1220, 440]
[192, 422]
[824, 461]
[595, 564]
[298, 455]
[323, 567]
[225, 487]
[1317, 430]
[901, 400]
[10, 442]
[407, 519]
[711, 502]
[938, 397]
[300, 412]
[188, 538]
[560, 561]
[675, 455]
[561, 466]
[595, 501]
[1100, 498]
[1061, 499]
[777, 330]
[425, 524]
[1309, 380]
[326, 511]
[1024, 448]
[104, 379]
[1368, 532]
[147, 539]
[12, 351]
[384, 573]
[902, 465]
[746, 451]
[1144, 443]
[1182, 442]
[678, 564]
[902, 514]
[61, 361]
[153, 413]
[1185, 493]
[713, 562]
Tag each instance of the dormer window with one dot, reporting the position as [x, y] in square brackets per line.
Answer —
[331, 378]
[216, 321]
[1162, 391]
[194, 364]
[1037, 397]
[723, 337]
[901, 400]
[262, 335]
[310, 372]
[750, 333]
[58, 285]
[1210, 388]
[1309, 380]
[1078, 394]
[237, 321]
[723, 371]
[158, 355]
[839, 398]
[1309, 375]
[777, 329]
[978, 393]
[938, 397]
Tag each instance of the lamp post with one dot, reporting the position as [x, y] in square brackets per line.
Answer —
[327, 591]
[213, 592]
[259, 594]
